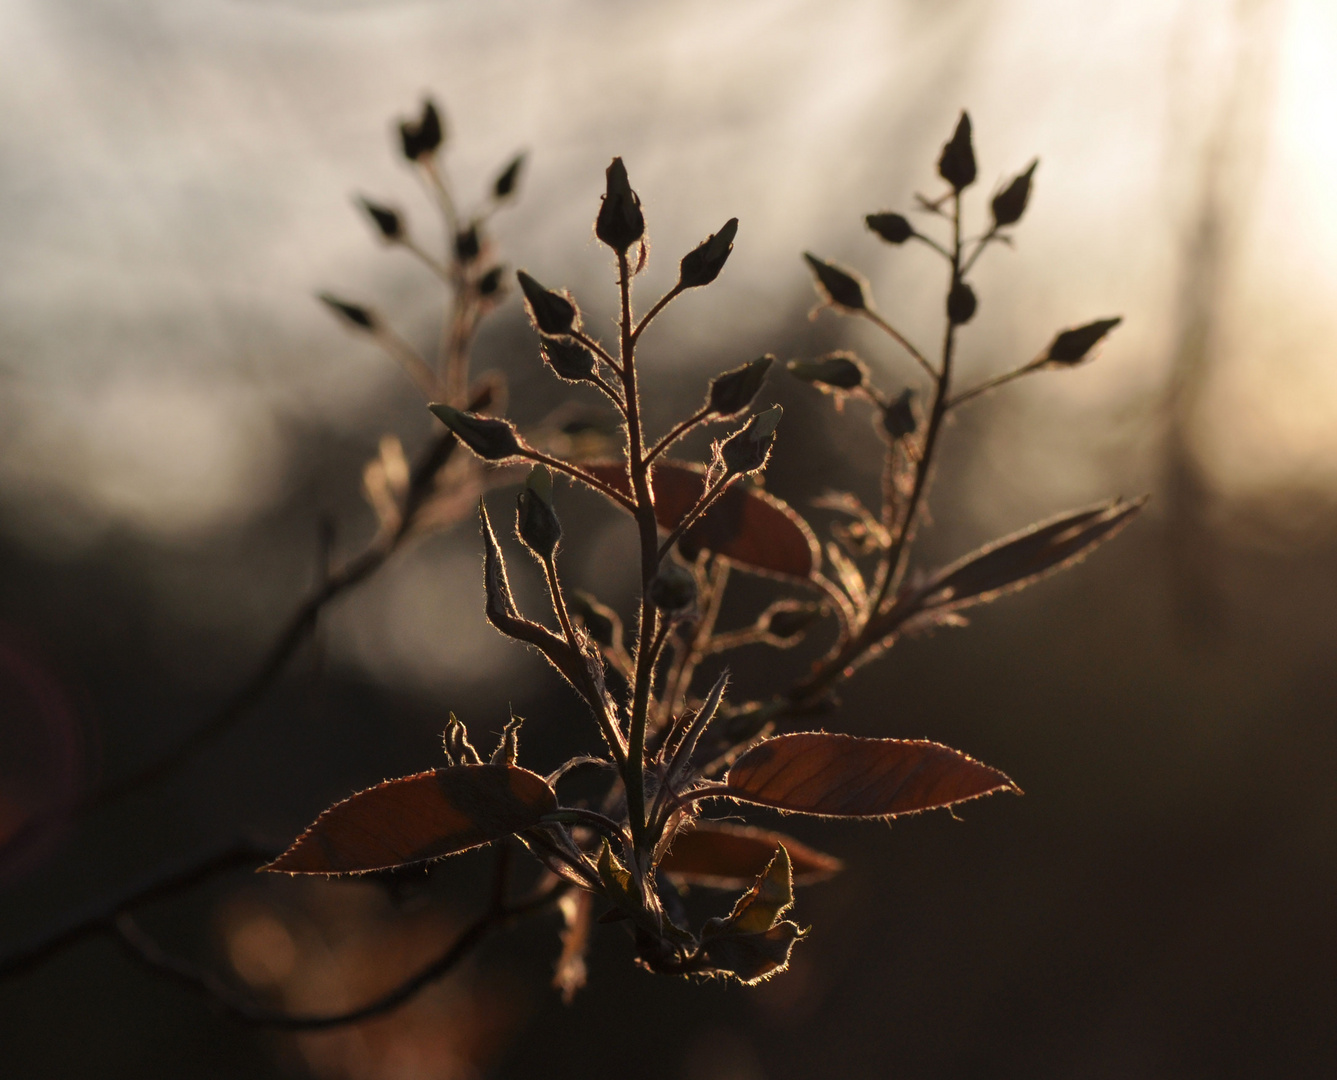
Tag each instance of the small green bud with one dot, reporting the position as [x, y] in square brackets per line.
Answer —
[553, 313]
[620, 222]
[488, 437]
[703, 263]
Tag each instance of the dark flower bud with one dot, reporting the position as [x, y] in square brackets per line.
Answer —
[1010, 203]
[957, 164]
[467, 244]
[491, 439]
[508, 178]
[358, 316]
[535, 520]
[673, 588]
[788, 619]
[620, 222]
[490, 283]
[961, 303]
[842, 288]
[553, 313]
[601, 622]
[423, 137]
[899, 419]
[839, 370]
[733, 391]
[746, 450]
[385, 219]
[1072, 346]
[703, 263]
[568, 359]
[893, 228]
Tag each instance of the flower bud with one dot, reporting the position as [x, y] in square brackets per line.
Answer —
[957, 164]
[508, 178]
[1010, 203]
[703, 263]
[490, 283]
[841, 287]
[961, 303]
[358, 316]
[385, 219]
[899, 419]
[1072, 346]
[488, 437]
[568, 359]
[423, 137]
[535, 520]
[467, 244]
[747, 449]
[839, 371]
[620, 222]
[553, 313]
[893, 228]
[673, 588]
[733, 391]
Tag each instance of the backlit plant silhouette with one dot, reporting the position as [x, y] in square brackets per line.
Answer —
[674, 750]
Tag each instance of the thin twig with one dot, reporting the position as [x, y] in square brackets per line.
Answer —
[581, 475]
[692, 515]
[676, 434]
[900, 339]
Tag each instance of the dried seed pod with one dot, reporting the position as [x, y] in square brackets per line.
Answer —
[467, 244]
[568, 359]
[837, 370]
[1072, 346]
[490, 283]
[899, 419]
[508, 178]
[748, 448]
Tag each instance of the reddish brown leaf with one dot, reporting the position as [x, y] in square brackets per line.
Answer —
[1016, 561]
[419, 817]
[747, 526]
[725, 856]
[813, 772]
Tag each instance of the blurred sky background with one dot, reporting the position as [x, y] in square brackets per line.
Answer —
[177, 180]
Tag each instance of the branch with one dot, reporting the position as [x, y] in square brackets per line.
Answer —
[150, 954]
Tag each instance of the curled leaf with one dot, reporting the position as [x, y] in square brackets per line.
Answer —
[747, 526]
[753, 943]
[725, 856]
[815, 772]
[414, 818]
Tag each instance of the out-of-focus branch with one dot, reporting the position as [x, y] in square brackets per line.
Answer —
[146, 951]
